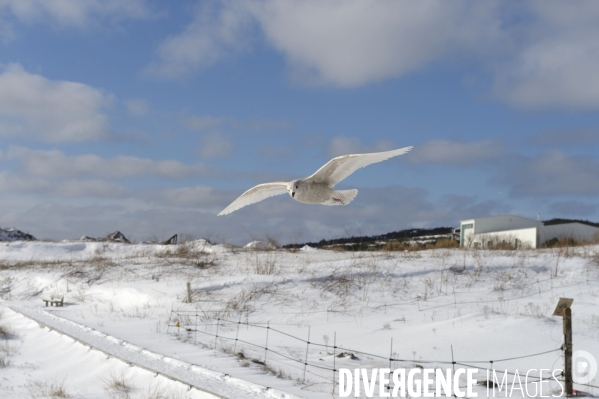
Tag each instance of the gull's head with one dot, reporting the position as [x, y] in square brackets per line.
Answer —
[293, 186]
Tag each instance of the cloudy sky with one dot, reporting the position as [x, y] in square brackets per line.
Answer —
[150, 117]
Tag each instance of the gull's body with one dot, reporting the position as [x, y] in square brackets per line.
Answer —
[318, 188]
[315, 193]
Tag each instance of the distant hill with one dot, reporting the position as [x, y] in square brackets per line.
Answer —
[361, 243]
[564, 221]
[409, 237]
[15, 235]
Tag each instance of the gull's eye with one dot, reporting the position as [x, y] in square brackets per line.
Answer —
[297, 186]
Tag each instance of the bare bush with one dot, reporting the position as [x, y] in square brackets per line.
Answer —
[265, 264]
[340, 282]
[242, 302]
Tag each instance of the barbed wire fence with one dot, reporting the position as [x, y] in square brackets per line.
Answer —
[275, 348]
[319, 363]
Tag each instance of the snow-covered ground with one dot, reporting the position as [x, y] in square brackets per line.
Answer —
[357, 310]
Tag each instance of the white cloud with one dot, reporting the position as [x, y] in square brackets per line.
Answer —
[88, 188]
[346, 43]
[557, 62]
[197, 197]
[536, 54]
[193, 210]
[77, 13]
[447, 152]
[551, 174]
[215, 33]
[215, 145]
[352, 43]
[55, 111]
[55, 164]
[10, 183]
[137, 107]
[342, 145]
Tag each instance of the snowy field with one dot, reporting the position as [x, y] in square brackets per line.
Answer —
[126, 324]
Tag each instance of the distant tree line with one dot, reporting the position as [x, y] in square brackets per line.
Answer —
[564, 221]
[361, 242]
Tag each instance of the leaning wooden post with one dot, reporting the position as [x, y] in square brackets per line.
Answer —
[563, 309]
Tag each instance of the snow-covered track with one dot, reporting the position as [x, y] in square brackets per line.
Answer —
[218, 385]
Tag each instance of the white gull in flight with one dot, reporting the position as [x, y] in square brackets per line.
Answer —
[318, 188]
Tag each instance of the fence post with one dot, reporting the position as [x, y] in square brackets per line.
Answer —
[390, 360]
[334, 359]
[568, 350]
[563, 309]
[306, 361]
[266, 346]
[237, 335]
[188, 292]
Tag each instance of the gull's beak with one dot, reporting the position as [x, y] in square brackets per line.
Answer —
[293, 194]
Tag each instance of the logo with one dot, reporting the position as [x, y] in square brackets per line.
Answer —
[584, 367]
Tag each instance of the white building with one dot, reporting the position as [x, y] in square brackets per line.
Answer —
[520, 232]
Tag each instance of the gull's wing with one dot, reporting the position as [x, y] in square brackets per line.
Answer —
[339, 168]
[256, 194]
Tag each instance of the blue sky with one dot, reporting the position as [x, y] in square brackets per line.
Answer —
[150, 117]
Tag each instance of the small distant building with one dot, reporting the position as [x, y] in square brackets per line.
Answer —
[117, 236]
[495, 231]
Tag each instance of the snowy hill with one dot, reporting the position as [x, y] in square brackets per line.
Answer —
[15, 235]
[286, 319]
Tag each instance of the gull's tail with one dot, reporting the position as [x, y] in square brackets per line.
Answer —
[342, 197]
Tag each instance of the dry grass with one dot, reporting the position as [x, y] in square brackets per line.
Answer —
[266, 264]
[117, 387]
[247, 361]
[6, 332]
[441, 243]
[6, 349]
[117, 384]
[242, 301]
[55, 389]
[160, 392]
[340, 283]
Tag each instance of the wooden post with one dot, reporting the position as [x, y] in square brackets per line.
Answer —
[563, 310]
[188, 292]
[568, 351]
